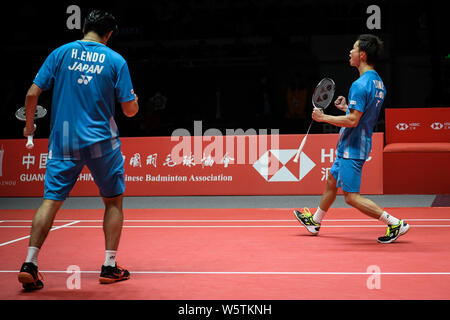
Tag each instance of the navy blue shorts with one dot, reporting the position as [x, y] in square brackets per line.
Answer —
[107, 171]
[348, 173]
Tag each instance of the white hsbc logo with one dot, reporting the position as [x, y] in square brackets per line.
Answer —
[407, 126]
[402, 126]
[84, 79]
[437, 126]
[273, 166]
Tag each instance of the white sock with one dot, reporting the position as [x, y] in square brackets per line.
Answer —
[110, 258]
[388, 219]
[32, 255]
[318, 216]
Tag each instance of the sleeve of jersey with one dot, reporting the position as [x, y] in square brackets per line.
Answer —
[46, 75]
[357, 98]
[124, 86]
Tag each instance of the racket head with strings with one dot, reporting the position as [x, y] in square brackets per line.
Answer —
[22, 116]
[40, 113]
[321, 98]
[323, 93]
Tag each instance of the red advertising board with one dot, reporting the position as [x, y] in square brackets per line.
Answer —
[202, 165]
[417, 125]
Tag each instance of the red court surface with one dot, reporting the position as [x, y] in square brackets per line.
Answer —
[237, 254]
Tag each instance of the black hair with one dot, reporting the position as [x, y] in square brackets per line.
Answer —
[101, 22]
[372, 46]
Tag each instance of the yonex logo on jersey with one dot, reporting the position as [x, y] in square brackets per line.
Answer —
[84, 79]
[437, 126]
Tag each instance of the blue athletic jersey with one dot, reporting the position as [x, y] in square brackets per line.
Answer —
[366, 95]
[86, 78]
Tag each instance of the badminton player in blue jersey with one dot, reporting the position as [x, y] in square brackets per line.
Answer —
[366, 97]
[87, 77]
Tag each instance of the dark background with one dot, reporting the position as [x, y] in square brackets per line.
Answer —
[233, 63]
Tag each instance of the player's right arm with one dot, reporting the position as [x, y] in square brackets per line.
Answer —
[350, 120]
[341, 104]
[43, 81]
[130, 108]
[31, 100]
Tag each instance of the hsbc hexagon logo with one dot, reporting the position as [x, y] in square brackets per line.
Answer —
[402, 126]
[436, 126]
[278, 166]
[407, 126]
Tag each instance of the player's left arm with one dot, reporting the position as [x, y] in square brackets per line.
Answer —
[350, 120]
[125, 92]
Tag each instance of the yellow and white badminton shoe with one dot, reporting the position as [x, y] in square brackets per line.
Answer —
[306, 219]
[394, 231]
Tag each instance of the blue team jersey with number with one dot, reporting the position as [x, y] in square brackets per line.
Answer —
[87, 77]
[366, 95]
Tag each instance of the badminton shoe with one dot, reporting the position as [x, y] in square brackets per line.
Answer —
[306, 218]
[30, 278]
[393, 232]
[113, 274]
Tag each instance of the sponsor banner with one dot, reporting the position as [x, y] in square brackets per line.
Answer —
[200, 165]
[417, 125]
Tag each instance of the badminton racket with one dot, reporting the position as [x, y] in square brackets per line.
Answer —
[21, 115]
[321, 98]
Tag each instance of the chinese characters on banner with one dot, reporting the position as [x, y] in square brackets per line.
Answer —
[152, 169]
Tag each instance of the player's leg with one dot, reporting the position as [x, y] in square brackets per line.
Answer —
[329, 194]
[60, 177]
[313, 222]
[351, 173]
[43, 221]
[108, 174]
[112, 222]
[363, 204]
[112, 228]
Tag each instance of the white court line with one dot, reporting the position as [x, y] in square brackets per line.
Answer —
[236, 220]
[248, 226]
[262, 226]
[255, 272]
[26, 237]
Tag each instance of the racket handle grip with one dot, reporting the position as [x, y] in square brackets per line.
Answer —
[297, 155]
[30, 144]
[299, 151]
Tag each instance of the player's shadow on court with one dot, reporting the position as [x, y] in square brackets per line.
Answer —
[362, 241]
[61, 294]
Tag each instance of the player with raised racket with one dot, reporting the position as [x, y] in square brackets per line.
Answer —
[366, 97]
